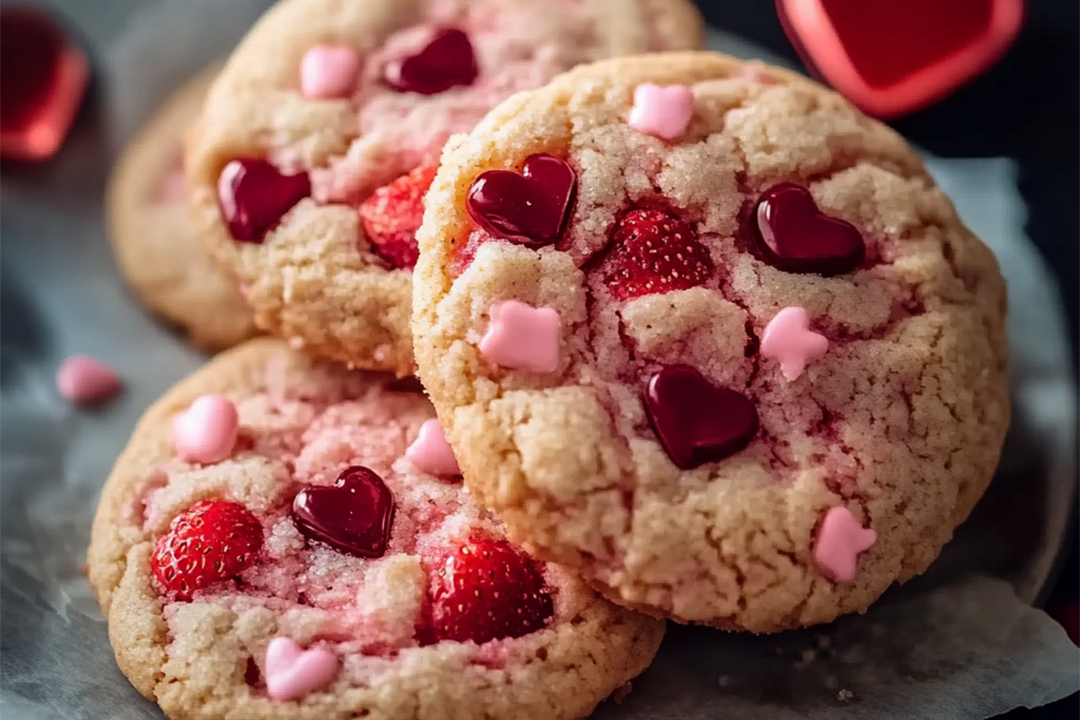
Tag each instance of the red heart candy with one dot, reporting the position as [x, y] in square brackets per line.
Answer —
[894, 56]
[696, 421]
[530, 207]
[446, 61]
[253, 196]
[43, 81]
[793, 235]
[353, 516]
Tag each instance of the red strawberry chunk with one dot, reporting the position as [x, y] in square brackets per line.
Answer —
[654, 252]
[392, 215]
[210, 541]
[487, 590]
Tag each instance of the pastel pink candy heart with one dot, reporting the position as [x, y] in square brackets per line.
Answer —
[329, 71]
[789, 340]
[839, 542]
[292, 673]
[430, 452]
[661, 111]
[83, 379]
[205, 433]
[522, 337]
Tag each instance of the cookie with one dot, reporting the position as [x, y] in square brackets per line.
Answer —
[283, 538]
[154, 239]
[320, 138]
[711, 337]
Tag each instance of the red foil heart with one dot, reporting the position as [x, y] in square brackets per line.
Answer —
[793, 235]
[447, 61]
[254, 195]
[531, 207]
[44, 76]
[696, 421]
[889, 41]
[353, 516]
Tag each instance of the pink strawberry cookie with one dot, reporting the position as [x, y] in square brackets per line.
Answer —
[323, 133]
[718, 344]
[152, 235]
[284, 538]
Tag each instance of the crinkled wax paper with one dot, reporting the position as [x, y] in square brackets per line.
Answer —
[962, 642]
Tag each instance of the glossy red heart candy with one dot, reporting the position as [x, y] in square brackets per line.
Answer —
[696, 421]
[447, 61]
[793, 235]
[531, 207]
[254, 195]
[44, 77]
[894, 56]
[353, 516]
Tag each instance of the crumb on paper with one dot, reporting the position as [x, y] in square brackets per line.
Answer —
[807, 657]
[845, 695]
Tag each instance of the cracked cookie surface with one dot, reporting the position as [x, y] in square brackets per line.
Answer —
[349, 101]
[695, 448]
[154, 239]
[280, 621]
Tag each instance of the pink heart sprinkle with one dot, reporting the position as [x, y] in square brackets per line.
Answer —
[661, 111]
[522, 337]
[430, 452]
[789, 340]
[206, 432]
[329, 71]
[83, 379]
[840, 539]
[755, 72]
[292, 673]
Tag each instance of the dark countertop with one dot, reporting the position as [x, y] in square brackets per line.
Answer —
[1027, 107]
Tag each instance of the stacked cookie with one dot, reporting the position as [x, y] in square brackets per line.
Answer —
[701, 342]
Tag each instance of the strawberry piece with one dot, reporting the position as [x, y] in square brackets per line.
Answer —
[392, 215]
[654, 252]
[210, 541]
[486, 590]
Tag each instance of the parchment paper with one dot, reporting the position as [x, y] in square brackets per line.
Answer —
[962, 642]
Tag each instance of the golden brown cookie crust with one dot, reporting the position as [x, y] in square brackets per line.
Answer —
[559, 672]
[315, 279]
[902, 421]
[154, 241]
